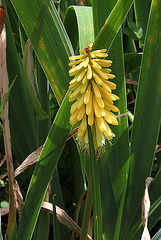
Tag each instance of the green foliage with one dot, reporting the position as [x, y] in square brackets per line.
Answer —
[40, 96]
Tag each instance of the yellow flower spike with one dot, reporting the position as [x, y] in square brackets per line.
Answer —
[73, 108]
[86, 62]
[81, 75]
[89, 72]
[99, 54]
[80, 101]
[111, 76]
[73, 121]
[85, 80]
[111, 118]
[72, 99]
[87, 94]
[110, 106]
[73, 81]
[103, 63]
[75, 62]
[74, 116]
[96, 64]
[114, 118]
[91, 119]
[97, 109]
[96, 90]
[101, 124]
[109, 134]
[80, 134]
[89, 105]
[84, 87]
[73, 71]
[100, 102]
[106, 95]
[83, 125]
[100, 51]
[92, 55]
[81, 65]
[97, 79]
[76, 92]
[108, 118]
[115, 97]
[76, 57]
[99, 137]
[92, 93]
[81, 113]
[106, 70]
[110, 84]
[100, 72]
[106, 87]
[82, 51]
[74, 86]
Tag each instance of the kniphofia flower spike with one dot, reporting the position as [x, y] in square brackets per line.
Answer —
[93, 98]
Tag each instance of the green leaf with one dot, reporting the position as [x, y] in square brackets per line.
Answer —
[132, 61]
[87, 211]
[44, 170]
[115, 160]
[29, 79]
[23, 134]
[120, 212]
[97, 207]
[113, 23]
[113, 166]
[42, 227]
[155, 198]
[56, 234]
[49, 40]
[147, 111]
[133, 31]
[4, 99]
[157, 236]
[79, 25]
[142, 9]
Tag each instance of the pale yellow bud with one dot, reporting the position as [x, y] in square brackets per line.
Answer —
[97, 79]
[81, 75]
[81, 113]
[103, 63]
[96, 89]
[87, 94]
[80, 101]
[89, 105]
[97, 109]
[100, 72]
[89, 72]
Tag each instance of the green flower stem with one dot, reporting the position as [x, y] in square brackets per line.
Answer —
[97, 207]
[87, 211]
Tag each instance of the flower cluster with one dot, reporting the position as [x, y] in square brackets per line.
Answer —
[92, 93]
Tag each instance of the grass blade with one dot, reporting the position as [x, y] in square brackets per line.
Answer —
[97, 208]
[114, 163]
[142, 14]
[147, 111]
[112, 25]
[79, 25]
[44, 170]
[49, 40]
